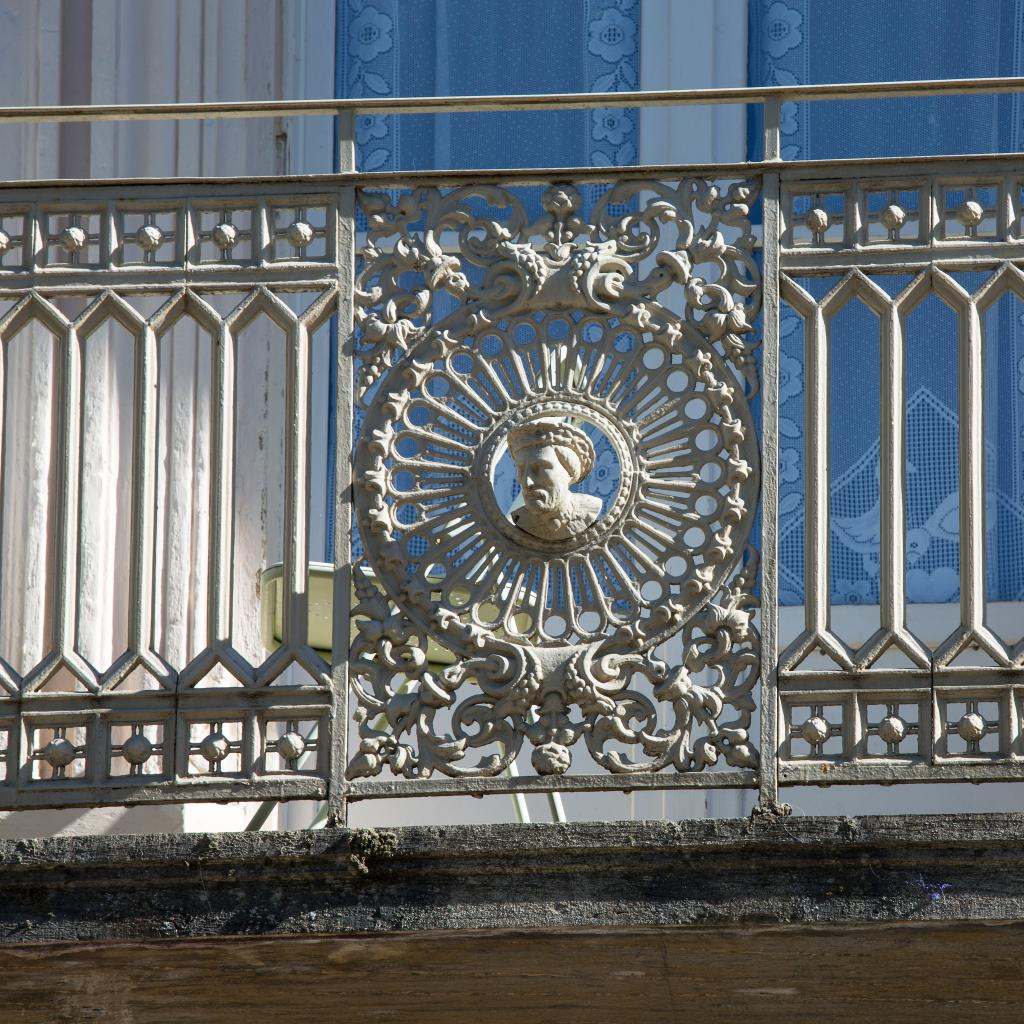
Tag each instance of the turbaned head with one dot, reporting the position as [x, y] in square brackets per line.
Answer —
[575, 450]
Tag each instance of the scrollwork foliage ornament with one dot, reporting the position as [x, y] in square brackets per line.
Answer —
[598, 263]
[485, 335]
[599, 696]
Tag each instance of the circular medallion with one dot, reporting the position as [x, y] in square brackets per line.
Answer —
[525, 405]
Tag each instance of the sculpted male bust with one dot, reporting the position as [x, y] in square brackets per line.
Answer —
[550, 456]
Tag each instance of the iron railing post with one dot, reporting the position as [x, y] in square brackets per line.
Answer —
[342, 547]
[768, 796]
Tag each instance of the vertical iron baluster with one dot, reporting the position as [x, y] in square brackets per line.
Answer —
[768, 796]
[346, 249]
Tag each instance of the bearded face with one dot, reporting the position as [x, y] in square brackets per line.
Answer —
[543, 478]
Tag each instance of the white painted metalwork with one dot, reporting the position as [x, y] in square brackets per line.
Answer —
[892, 707]
[556, 610]
[144, 728]
[485, 319]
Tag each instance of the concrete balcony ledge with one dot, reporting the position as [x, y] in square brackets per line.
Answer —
[790, 919]
[726, 872]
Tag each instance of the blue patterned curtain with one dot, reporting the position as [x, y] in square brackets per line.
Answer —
[493, 47]
[483, 47]
[808, 41]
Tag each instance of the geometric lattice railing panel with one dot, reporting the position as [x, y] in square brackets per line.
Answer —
[162, 349]
[899, 293]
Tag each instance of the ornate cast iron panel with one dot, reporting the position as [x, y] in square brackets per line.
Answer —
[523, 334]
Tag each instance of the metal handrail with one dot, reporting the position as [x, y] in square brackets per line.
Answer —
[538, 101]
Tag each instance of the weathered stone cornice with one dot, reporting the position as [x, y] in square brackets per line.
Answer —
[727, 872]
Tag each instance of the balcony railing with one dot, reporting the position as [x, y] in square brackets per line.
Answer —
[607, 339]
